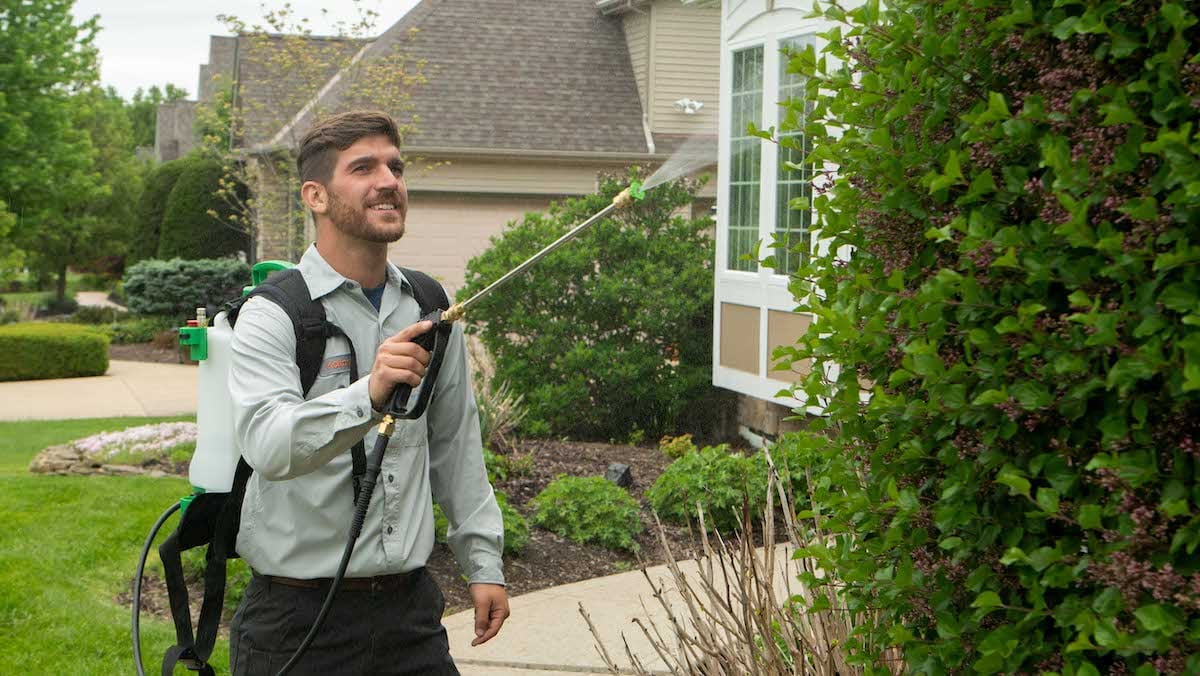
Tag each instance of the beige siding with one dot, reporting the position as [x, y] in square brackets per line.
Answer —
[685, 62]
[445, 231]
[637, 37]
[517, 177]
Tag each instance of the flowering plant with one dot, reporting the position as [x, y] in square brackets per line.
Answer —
[144, 441]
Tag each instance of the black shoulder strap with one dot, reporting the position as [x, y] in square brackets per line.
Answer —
[429, 293]
[288, 290]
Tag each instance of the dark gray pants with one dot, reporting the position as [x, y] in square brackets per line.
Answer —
[392, 629]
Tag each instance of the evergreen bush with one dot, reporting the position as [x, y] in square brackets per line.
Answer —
[612, 332]
[150, 209]
[589, 510]
[196, 220]
[177, 287]
[41, 350]
[1010, 478]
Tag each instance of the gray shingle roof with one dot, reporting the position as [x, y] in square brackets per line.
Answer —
[550, 75]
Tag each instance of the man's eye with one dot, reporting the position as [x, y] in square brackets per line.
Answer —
[398, 169]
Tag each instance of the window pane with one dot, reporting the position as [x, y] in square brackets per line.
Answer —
[793, 222]
[745, 167]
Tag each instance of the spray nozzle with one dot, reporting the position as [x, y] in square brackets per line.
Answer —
[626, 197]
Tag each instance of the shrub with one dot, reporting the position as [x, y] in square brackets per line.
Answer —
[612, 332]
[142, 330]
[177, 287]
[1015, 417]
[516, 528]
[588, 510]
[501, 467]
[195, 224]
[720, 481]
[53, 307]
[150, 209]
[40, 350]
[94, 314]
[676, 447]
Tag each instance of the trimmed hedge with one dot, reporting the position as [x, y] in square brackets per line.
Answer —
[41, 350]
[150, 209]
[177, 287]
[189, 228]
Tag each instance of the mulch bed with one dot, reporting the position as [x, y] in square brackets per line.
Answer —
[147, 352]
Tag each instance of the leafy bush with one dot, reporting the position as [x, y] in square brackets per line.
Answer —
[612, 332]
[195, 224]
[94, 314]
[501, 467]
[142, 329]
[676, 447]
[721, 481]
[516, 528]
[150, 209]
[53, 307]
[1012, 475]
[589, 510]
[40, 350]
[177, 287]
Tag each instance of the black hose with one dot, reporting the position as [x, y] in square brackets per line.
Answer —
[366, 489]
[137, 586]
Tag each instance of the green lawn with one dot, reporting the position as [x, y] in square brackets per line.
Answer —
[68, 546]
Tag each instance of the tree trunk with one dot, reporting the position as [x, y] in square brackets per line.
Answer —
[60, 290]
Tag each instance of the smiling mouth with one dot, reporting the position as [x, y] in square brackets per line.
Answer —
[386, 206]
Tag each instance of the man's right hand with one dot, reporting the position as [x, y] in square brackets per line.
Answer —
[398, 360]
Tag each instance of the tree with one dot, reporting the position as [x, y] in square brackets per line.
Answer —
[143, 111]
[45, 60]
[151, 206]
[1008, 351]
[92, 216]
[293, 67]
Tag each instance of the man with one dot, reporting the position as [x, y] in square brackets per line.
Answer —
[299, 501]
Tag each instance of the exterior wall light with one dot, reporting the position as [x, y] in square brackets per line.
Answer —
[689, 106]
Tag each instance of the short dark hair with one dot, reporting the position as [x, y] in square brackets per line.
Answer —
[319, 148]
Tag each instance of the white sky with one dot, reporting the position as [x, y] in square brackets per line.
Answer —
[152, 43]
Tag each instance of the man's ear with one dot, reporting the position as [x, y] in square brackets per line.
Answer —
[315, 196]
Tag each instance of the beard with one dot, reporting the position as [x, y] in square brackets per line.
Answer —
[354, 221]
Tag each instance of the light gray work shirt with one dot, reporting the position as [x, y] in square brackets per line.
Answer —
[299, 501]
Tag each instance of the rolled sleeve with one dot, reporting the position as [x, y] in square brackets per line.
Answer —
[281, 434]
[457, 473]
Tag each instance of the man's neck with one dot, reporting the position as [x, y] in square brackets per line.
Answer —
[362, 261]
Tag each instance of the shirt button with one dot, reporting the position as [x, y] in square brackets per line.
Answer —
[358, 412]
[389, 530]
[391, 478]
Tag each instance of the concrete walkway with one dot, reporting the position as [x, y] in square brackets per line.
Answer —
[130, 388]
[95, 299]
[546, 634]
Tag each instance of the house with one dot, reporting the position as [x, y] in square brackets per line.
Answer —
[753, 313]
[525, 103]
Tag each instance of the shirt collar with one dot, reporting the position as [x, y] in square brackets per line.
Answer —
[323, 279]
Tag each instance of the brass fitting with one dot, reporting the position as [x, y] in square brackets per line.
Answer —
[623, 199]
[387, 425]
[454, 313]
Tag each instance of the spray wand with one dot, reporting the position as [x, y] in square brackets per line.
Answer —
[434, 340]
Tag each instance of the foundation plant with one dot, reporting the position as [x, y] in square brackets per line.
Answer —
[1008, 349]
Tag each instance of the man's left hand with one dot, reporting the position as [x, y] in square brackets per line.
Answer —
[491, 610]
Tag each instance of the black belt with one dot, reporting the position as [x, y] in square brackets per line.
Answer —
[377, 583]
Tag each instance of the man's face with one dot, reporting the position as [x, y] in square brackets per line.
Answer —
[367, 196]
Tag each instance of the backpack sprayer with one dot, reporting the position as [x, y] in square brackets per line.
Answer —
[217, 469]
